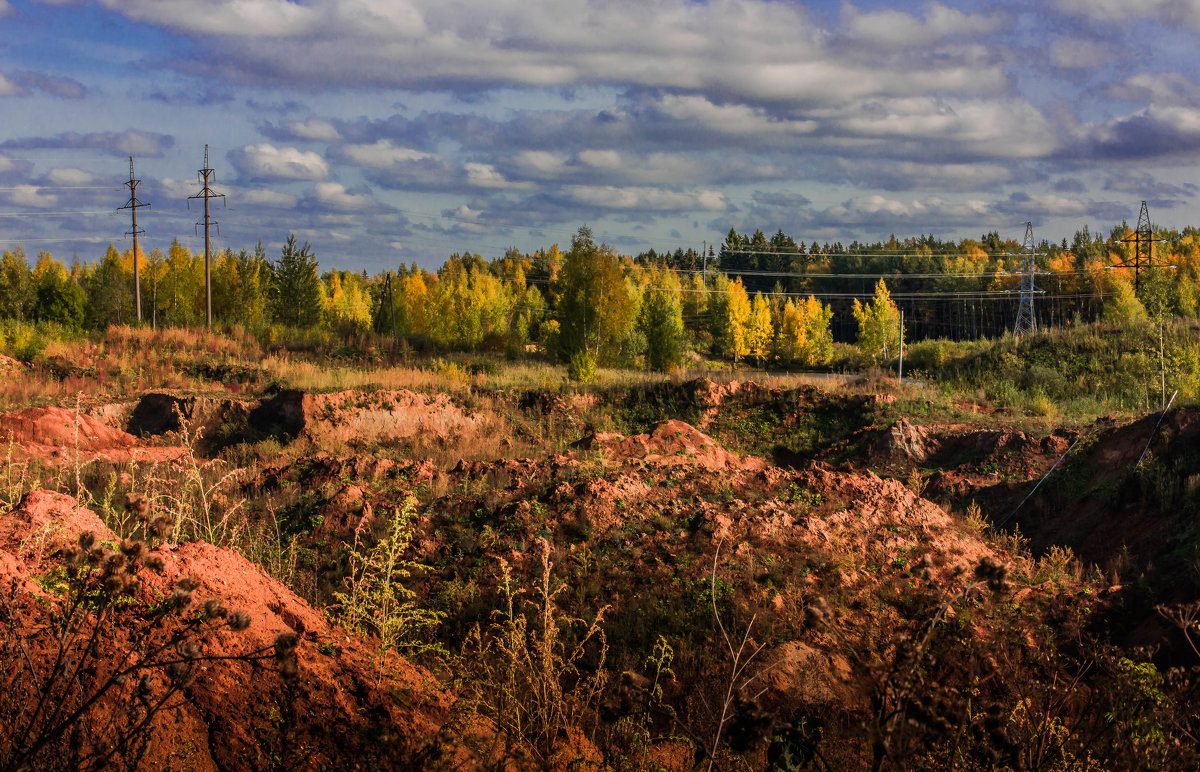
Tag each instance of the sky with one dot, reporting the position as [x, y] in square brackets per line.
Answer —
[389, 131]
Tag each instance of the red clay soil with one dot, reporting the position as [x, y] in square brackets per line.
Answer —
[58, 435]
[352, 417]
[1101, 524]
[671, 443]
[230, 717]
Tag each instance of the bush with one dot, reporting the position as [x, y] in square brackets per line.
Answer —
[582, 367]
[376, 599]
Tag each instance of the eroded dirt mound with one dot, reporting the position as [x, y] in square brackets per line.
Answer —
[237, 714]
[159, 413]
[10, 367]
[671, 443]
[355, 417]
[56, 434]
[904, 445]
[1108, 509]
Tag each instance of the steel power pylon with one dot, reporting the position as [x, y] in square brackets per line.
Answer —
[1026, 321]
[1143, 247]
[133, 206]
[204, 175]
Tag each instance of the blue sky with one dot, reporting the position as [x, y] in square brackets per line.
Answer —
[384, 131]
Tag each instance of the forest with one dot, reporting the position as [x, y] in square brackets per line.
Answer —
[771, 301]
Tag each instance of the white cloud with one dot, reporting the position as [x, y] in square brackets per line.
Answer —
[1157, 88]
[1185, 12]
[767, 50]
[541, 162]
[486, 176]
[286, 163]
[601, 159]
[912, 175]
[30, 195]
[8, 88]
[313, 128]
[1050, 205]
[464, 212]
[899, 29]
[269, 198]
[1010, 128]
[5, 8]
[383, 154]
[334, 196]
[241, 18]
[646, 198]
[916, 213]
[70, 177]
[730, 118]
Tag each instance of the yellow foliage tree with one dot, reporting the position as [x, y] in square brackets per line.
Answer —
[759, 331]
[737, 312]
[804, 335]
[878, 325]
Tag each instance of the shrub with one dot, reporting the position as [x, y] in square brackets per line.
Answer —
[376, 600]
[524, 671]
[582, 367]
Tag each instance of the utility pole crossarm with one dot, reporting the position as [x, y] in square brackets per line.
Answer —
[205, 176]
[133, 205]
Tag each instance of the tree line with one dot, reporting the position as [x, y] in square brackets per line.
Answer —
[766, 300]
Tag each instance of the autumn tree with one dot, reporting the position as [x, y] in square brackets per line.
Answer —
[759, 332]
[347, 307]
[595, 307]
[804, 335]
[56, 296]
[660, 320]
[415, 294]
[728, 311]
[1122, 306]
[240, 282]
[109, 292]
[16, 285]
[694, 306]
[878, 325]
[181, 288]
[467, 305]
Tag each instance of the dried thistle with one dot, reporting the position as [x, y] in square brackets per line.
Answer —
[181, 673]
[214, 610]
[992, 570]
[132, 549]
[238, 621]
[137, 505]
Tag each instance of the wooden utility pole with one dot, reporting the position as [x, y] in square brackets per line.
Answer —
[133, 206]
[205, 175]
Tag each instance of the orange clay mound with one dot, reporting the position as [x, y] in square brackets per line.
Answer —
[59, 435]
[230, 716]
[671, 443]
[355, 417]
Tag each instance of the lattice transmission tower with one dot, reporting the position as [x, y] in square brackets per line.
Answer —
[1026, 321]
[1143, 248]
